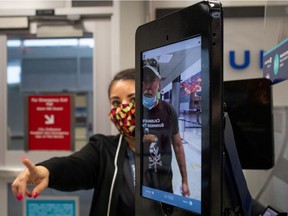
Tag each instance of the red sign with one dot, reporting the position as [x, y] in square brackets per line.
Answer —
[49, 122]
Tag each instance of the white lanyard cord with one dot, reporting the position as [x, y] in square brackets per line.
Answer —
[115, 174]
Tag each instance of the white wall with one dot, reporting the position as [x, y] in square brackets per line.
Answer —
[253, 34]
[39, 4]
[132, 15]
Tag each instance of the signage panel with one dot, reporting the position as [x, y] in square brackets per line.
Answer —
[275, 65]
[52, 205]
[49, 122]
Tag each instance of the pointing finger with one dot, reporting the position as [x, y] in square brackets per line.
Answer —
[30, 166]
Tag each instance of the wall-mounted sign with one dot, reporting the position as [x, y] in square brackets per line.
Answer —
[275, 65]
[49, 122]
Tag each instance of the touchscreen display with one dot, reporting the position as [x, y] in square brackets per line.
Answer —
[269, 211]
[171, 124]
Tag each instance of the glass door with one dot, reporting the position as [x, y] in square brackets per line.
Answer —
[82, 68]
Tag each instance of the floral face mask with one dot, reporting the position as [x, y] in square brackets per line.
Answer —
[123, 117]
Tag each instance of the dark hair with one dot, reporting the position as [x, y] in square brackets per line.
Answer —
[128, 74]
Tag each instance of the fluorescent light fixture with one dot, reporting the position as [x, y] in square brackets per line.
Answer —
[50, 42]
[13, 43]
[13, 74]
[14, 22]
[59, 31]
[86, 42]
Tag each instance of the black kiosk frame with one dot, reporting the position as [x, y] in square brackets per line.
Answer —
[193, 40]
[185, 51]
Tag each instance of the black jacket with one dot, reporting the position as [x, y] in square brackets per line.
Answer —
[92, 168]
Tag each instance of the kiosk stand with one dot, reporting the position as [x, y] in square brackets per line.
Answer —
[236, 196]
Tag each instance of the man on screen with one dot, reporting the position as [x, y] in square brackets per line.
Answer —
[160, 124]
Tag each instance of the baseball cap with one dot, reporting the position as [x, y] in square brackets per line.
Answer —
[150, 71]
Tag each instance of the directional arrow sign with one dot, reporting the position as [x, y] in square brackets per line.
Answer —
[49, 119]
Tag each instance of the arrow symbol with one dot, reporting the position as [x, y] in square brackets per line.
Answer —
[49, 119]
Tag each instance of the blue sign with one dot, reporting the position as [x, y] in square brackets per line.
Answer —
[51, 207]
[246, 62]
[275, 65]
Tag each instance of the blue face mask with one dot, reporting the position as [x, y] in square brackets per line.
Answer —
[149, 102]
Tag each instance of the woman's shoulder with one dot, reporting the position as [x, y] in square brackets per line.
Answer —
[102, 144]
[101, 139]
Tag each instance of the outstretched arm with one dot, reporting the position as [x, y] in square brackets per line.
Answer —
[38, 176]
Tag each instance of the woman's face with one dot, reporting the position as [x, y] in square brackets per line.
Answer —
[122, 92]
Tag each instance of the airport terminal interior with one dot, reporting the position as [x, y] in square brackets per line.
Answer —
[73, 48]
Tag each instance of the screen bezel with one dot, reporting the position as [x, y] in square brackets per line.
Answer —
[202, 19]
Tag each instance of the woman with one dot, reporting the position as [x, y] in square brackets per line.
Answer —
[105, 164]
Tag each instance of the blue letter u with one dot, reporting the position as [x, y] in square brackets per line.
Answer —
[237, 66]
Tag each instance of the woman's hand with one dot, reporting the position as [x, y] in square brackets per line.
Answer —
[38, 176]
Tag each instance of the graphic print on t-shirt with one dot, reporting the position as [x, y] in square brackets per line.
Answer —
[155, 156]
